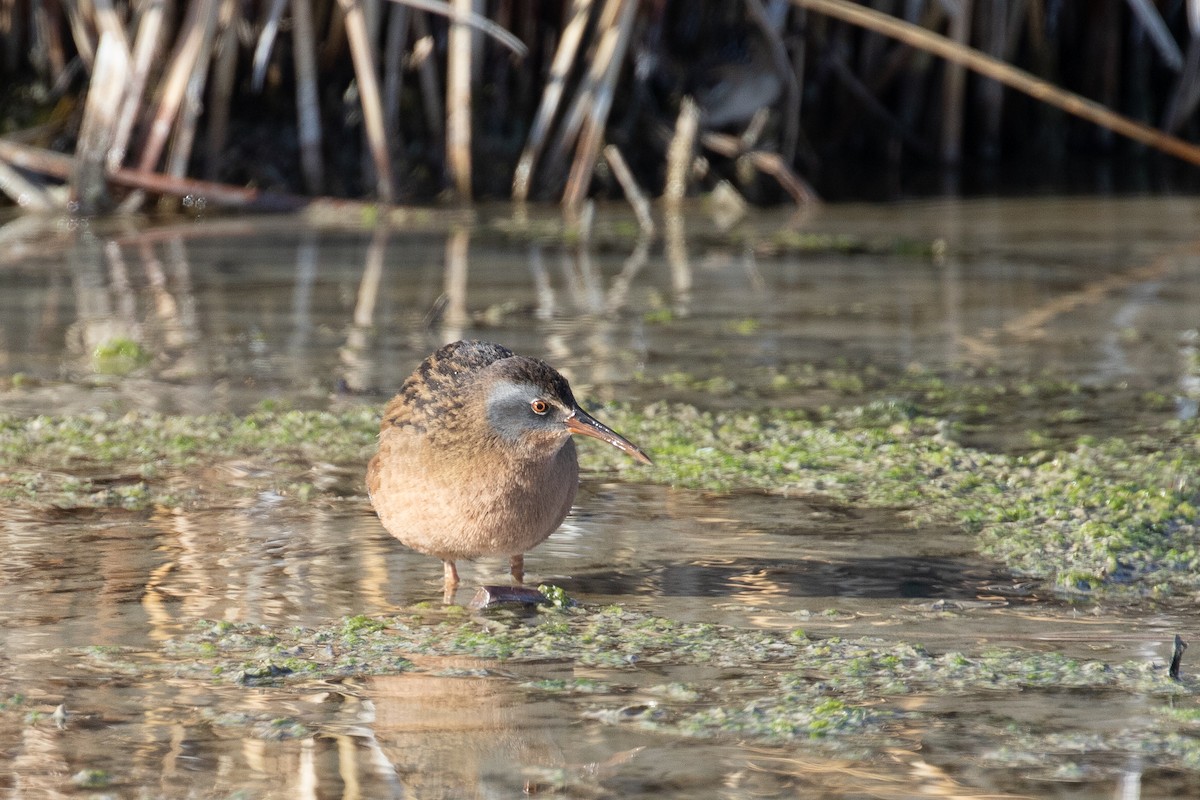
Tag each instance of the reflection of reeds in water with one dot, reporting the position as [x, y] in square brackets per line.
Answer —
[175, 91]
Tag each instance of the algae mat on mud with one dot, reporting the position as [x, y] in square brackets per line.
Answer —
[1101, 514]
[612, 666]
[1109, 515]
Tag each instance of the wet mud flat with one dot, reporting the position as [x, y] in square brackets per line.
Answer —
[919, 519]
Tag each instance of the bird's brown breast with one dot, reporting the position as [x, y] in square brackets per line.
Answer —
[462, 501]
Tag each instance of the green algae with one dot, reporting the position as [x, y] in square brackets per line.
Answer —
[119, 356]
[1100, 512]
[615, 666]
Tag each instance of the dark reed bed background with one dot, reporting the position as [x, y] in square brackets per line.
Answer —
[110, 104]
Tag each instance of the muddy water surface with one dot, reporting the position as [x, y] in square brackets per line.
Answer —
[229, 315]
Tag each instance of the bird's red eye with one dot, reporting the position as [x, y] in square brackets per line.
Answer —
[539, 406]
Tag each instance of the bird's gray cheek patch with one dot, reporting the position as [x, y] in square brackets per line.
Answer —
[508, 410]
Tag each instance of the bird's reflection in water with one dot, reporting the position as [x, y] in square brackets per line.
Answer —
[451, 735]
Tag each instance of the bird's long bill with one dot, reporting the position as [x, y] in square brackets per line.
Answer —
[585, 424]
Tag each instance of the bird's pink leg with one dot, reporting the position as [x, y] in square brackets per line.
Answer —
[449, 581]
[517, 568]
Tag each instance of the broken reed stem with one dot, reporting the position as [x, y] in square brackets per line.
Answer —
[458, 101]
[369, 96]
[680, 151]
[772, 164]
[633, 193]
[59, 166]
[564, 58]
[1009, 75]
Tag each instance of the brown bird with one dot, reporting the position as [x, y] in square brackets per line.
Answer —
[475, 456]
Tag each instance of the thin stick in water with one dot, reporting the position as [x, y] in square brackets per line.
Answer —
[633, 193]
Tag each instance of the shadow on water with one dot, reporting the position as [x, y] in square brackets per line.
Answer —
[229, 314]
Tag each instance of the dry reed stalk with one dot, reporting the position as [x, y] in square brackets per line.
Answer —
[109, 21]
[393, 66]
[59, 166]
[991, 93]
[431, 96]
[477, 10]
[772, 164]
[221, 97]
[81, 33]
[633, 193]
[266, 41]
[564, 58]
[476, 21]
[36, 159]
[500, 109]
[46, 29]
[110, 78]
[954, 86]
[1158, 33]
[24, 192]
[787, 74]
[183, 61]
[610, 55]
[373, 15]
[585, 93]
[369, 97]
[308, 109]
[799, 58]
[145, 45]
[681, 151]
[458, 102]
[898, 64]
[1187, 90]
[10, 25]
[1009, 75]
[180, 151]
[870, 101]
[333, 44]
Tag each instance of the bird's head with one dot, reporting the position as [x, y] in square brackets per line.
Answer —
[530, 405]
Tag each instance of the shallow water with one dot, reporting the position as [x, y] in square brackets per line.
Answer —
[237, 312]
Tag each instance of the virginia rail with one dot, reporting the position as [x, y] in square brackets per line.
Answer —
[475, 456]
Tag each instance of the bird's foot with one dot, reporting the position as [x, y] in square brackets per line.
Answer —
[489, 596]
